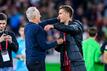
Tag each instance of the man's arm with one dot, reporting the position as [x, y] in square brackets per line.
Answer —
[104, 57]
[48, 21]
[42, 41]
[72, 29]
[13, 44]
[104, 54]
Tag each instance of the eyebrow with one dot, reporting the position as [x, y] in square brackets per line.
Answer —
[2, 23]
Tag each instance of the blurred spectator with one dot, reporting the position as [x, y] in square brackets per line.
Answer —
[87, 11]
[79, 13]
[99, 15]
[104, 53]
[104, 28]
[100, 37]
[52, 35]
[4, 4]
[105, 2]
[20, 64]
[15, 20]
[85, 27]
[91, 52]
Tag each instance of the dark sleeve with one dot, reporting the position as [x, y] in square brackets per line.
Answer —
[58, 48]
[103, 47]
[42, 40]
[72, 28]
[14, 44]
[48, 21]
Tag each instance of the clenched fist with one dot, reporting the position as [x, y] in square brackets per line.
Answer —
[60, 41]
[48, 27]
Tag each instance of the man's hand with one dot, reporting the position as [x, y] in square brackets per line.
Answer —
[103, 57]
[9, 38]
[21, 57]
[2, 38]
[60, 41]
[48, 27]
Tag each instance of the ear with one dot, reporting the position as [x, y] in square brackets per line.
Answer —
[96, 35]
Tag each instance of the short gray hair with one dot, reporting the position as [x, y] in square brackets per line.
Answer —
[32, 12]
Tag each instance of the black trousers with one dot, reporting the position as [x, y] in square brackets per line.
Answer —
[36, 66]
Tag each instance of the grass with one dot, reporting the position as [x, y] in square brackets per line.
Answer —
[52, 67]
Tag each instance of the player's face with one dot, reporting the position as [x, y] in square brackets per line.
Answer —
[2, 25]
[21, 31]
[63, 15]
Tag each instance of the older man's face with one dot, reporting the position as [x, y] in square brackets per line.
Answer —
[38, 19]
[38, 16]
[2, 24]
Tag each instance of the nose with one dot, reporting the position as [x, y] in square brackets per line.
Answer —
[1, 25]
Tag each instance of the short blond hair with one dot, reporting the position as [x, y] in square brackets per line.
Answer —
[68, 9]
[32, 12]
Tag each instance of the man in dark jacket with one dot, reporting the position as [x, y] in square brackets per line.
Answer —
[35, 40]
[72, 47]
[104, 53]
[8, 44]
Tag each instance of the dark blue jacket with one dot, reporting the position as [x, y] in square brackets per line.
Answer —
[36, 41]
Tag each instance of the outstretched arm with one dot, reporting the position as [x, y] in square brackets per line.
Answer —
[48, 21]
[42, 41]
[72, 29]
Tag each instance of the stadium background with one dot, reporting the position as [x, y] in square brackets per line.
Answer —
[89, 12]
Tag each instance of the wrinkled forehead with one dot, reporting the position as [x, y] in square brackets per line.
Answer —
[3, 22]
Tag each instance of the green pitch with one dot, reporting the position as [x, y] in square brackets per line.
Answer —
[52, 67]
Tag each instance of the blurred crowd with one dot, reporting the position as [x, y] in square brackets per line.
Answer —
[89, 12]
